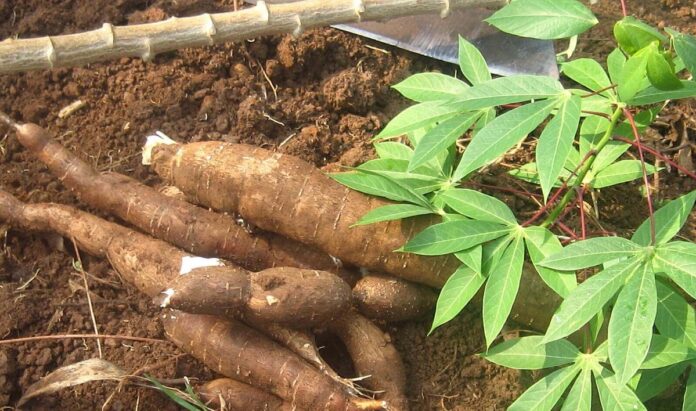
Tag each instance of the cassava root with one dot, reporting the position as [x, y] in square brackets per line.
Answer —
[286, 195]
[392, 299]
[148, 40]
[232, 395]
[151, 265]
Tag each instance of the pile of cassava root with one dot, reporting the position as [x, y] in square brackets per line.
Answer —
[245, 302]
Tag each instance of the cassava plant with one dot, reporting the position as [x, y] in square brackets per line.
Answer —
[626, 300]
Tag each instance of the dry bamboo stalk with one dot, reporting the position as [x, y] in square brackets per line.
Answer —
[147, 40]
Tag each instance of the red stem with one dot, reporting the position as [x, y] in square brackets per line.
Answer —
[623, 8]
[657, 154]
[581, 204]
[648, 196]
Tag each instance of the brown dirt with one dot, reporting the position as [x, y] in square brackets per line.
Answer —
[324, 97]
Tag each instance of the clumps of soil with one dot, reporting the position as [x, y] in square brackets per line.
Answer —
[350, 90]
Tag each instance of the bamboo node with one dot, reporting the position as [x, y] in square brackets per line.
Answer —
[298, 29]
[264, 12]
[445, 10]
[51, 54]
[359, 7]
[210, 29]
[108, 30]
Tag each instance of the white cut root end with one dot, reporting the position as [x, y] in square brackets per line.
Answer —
[168, 293]
[189, 263]
[153, 141]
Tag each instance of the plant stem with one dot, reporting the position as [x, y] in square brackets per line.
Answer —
[570, 193]
[657, 154]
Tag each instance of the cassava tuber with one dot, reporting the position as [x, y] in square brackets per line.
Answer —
[232, 395]
[392, 299]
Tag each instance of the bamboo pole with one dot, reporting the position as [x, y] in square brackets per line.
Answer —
[148, 40]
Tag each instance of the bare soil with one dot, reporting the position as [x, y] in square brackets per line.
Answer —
[321, 97]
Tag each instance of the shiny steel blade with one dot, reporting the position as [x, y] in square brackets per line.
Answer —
[435, 37]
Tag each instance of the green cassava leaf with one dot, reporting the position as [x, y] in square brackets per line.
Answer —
[615, 64]
[591, 131]
[367, 182]
[543, 395]
[393, 150]
[613, 395]
[653, 382]
[459, 289]
[430, 87]
[453, 236]
[690, 392]
[471, 257]
[492, 251]
[678, 260]
[685, 46]
[422, 180]
[543, 19]
[440, 137]
[592, 252]
[529, 353]
[501, 289]
[392, 212]
[478, 206]
[675, 318]
[621, 172]
[633, 77]
[589, 73]
[631, 323]
[661, 73]
[669, 219]
[588, 298]
[416, 117]
[528, 173]
[542, 243]
[609, 154]
[472, 63]
[580, 396]
[504, 90]
[665, 351]
[596, 324]
[555, 143]
[652, 94]
[633, 34]
[502, 134]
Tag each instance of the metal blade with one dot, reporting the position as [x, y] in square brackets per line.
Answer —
[435, 37]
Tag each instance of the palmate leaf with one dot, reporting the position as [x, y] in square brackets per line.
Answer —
[653, 382]
[478, 206]
[501, 289]
[393, 150]
[543, 19]
[418, 116]
[675, 317]
[505, 90]
[685, 46]
[591, 131]
[555, 143]
[543, 395]
[424, 180]
[430, 87]
[665, 351]
[580, 396]
[633, 34]
[589, 73]
[492, 251]
[459, 289]
[613, 395]
[631, 323]
[592, 252]
[615, 64]
[678, 260]
[502, 134]
[542, 243]
[609, 154]
[588, 298]
[529, 353]
[633, 77]
[453, 236]
[440, 137]
[669, 219]
[621, 172]
[651, 95]
[472, 63]
[392, 212]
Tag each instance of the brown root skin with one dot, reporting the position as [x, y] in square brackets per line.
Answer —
[237, 396]
[234, 350]
[289, 296]
[374, 357]
[286, 195]
[192, 228]
[392, 299]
